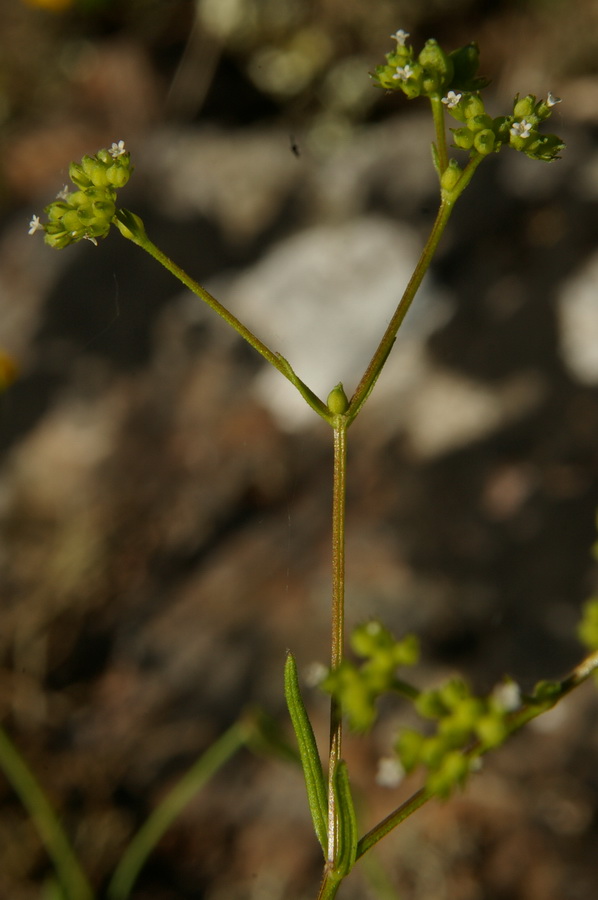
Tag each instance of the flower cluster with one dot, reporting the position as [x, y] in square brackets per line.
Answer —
[87, 212]
[432, 73]
[452, 79]
[467, 726]
[358, 687]
[483, 134]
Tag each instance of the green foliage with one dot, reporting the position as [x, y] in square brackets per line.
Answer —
[308, 751]
[347, 835]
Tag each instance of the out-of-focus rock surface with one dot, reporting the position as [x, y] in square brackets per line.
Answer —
[164, 501]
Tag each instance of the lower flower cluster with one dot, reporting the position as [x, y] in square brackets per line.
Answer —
[87, 212]
[466, 726]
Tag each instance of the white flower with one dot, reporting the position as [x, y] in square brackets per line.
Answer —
[390, 772]
[400, 37]
[315, 673]
[551, 100]
[521, 129]
[403, 72]
[451, 100]
[117, 149]
[63, 194]
[89, 237]
[35, 225]
[507, 695]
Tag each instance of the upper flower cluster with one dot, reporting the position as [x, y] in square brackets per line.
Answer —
[87, 212]
[452, 78]
[433, 72]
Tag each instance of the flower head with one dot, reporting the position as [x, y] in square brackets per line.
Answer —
[117, 149]
[521, 129]
[390, 772]
[87, 212]
[403, 72]
[35, 225]
[452, 99]
[400, 37]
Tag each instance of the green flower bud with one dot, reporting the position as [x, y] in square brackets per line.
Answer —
[406, 652]
[463, 138]
[452, 772]
[432, 751]
[55, 211]
[466, 61]
[451, 175]
[78, 199]
[484, 141]
[478, 123]
[472, 105]
[437, 65]
[105, 208]
[78, 175]
[408, 748]
[337, 401]
[368, 639]
[71, 221]
[525, 107]
[545, 146]
[430, 705]
[118, 175]
[492, 730]
[58, 241]
[130, 225]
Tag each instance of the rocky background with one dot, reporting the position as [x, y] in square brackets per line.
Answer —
[164, 500]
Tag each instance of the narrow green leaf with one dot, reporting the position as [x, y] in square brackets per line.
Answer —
[347, 821]
[308, 751]
[69, 873]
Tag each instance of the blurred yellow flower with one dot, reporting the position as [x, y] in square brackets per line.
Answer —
[52, 5]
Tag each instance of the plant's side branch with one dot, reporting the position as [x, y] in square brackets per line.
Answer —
[131, 227]
[544, 699]
[370, 376]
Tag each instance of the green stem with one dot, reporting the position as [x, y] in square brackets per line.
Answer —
[391, 821]
[370, 376]
[338, 618]
[165, 814]
[438, 116]
[330, 885]
[73, 880]
[131, 227]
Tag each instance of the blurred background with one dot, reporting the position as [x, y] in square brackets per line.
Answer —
[164, 500]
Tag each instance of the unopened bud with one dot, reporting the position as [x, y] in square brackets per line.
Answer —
[337, 400]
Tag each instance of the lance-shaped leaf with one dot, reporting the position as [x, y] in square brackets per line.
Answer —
[347, 821]
[308, 751]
